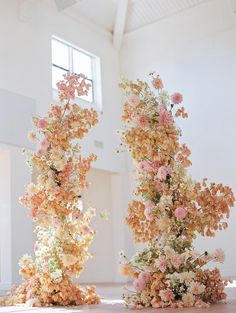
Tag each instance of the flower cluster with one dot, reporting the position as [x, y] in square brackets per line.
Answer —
[63, 228]
[170, 208]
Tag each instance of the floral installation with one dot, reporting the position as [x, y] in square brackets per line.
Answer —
[62, 226]
[170, 208]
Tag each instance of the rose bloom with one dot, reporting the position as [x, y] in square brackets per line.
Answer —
[42, 123]
[146, 276]
[180, 213]
[166, 295]
[139, 284]
[196, 288]
[176, 98]
[219, 255]
[133, 99]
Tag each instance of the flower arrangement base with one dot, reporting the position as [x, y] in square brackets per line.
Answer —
[170, 208]
[63, 227]
[64, 294]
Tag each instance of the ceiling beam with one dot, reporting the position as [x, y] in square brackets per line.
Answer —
[119, 28]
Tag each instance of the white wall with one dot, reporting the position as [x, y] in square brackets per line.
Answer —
[25, 62]
[5, 219]
[195, 53]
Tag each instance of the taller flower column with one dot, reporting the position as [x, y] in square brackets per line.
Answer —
[170, 208]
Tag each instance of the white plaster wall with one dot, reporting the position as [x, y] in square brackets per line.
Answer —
[5, 219]
[195, 53]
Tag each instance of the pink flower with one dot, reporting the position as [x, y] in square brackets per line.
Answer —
[161, 264]
[166, 295]
[176, 260]
[165, 118]
[146, 276]
[159, 186]
[142, 120]
[163, 171]
[133, 99]
[42, 123]
[56, 221]
[149, 214]
[147, 166]
[149, 204]
[219, 255]
[176, 98]
[139, 284]
[180, 213]
[161, 108]
[142, 165]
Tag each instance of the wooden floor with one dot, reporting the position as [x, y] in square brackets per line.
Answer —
[112, 303]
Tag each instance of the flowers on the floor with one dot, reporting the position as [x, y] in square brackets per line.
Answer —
[63, 228]
[170, 208]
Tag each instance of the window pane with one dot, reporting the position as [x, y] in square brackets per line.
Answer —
[89, 97]
[57, 75]
[82, 63]
[60, 54]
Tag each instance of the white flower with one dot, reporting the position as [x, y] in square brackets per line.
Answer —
[219, 255]
[188, 299]
[196, 288]
[187, 276]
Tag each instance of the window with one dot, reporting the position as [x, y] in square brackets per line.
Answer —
[67, 58]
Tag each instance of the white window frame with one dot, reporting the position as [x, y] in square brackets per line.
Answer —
[96, 76]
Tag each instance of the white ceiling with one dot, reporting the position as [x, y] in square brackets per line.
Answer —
[119, 17]
[140, 13]
[143, 12]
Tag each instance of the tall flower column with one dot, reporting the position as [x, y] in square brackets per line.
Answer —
[170, 208]
[62, 227]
